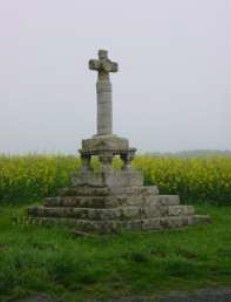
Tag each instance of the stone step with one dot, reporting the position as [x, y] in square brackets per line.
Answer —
[201, 219]
[148, 200]
[121, 213]
[105, 191]
[134, 190]
[158, 223]
[161, 200]
[112, 201]
[81, 201]
[178, 210]
[84, 191]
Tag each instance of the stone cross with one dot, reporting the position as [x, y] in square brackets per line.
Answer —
[104, 91]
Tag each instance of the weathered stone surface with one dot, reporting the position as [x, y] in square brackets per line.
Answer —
[85, 190]
[119, 213]
[139, 199]
[136, 208]
[102, 142]
[135, 190]
[111, 178]
[81, 201]
[107, 226]
[104, 91]
[180, 210]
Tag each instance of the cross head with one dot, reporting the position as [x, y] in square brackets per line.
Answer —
[103, 65]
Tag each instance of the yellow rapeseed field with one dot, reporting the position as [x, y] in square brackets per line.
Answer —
[195, 179]
[31, 177]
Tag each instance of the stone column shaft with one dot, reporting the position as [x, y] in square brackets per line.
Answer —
[104, 107]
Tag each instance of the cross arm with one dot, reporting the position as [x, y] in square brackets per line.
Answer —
[114, 67]
[94, 64]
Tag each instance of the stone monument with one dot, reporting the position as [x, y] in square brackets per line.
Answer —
[111, 200]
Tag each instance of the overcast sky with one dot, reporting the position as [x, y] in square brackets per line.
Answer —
[172, 91]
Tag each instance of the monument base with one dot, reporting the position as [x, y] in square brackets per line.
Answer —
[109, 178]
[114, 201]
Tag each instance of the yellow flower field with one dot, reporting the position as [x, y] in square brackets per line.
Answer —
[31, 177]
[195, 179]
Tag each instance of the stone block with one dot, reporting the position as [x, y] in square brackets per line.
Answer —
[85, 190]
[111, 179]
[104, 142]
[168, 199]
[82, 201]
[134, 190]
[120, 213]
[180, 210]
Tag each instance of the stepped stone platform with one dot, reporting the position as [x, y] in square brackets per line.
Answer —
[110, 200]
[114, 207]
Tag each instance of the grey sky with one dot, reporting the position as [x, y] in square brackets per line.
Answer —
[172, 92]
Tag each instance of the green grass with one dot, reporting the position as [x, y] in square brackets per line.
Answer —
[51, 260]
